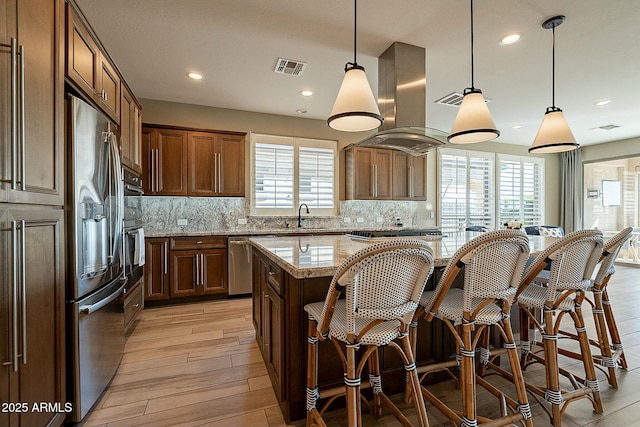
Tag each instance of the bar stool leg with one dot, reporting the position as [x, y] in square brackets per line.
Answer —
[552, 394]
[414, 382]
[468, 376]
[587, 360]
[606, 356]
[518, 379]
[352, 383]
[613, 329]
[376, 382]
[312, 371]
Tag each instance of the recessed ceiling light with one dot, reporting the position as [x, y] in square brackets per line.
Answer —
[510, 39]
[193, 75]
[306, 93]
[603, 102]
[516, 126]
[301, 111]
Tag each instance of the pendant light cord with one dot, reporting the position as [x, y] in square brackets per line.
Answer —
[355, 26]
[553, 66]
[472, 81]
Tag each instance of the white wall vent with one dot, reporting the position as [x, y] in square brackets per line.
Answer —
[608, 127]
[289, 66]
[454, 99]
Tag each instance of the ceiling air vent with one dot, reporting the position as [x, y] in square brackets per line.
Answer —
[289, 66]
[454, 99]
[608, 127]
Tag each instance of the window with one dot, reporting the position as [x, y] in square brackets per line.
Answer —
[289, 171]
[520, 189]
[473, 193]
[466, 189]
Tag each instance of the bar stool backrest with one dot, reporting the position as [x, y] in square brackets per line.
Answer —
[493, 262]
[383, 281]
[610, 253]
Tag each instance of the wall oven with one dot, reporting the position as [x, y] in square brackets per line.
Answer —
[133, 252]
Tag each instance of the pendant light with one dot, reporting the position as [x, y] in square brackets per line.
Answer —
[473, 122]
[554, 135]
[355, 109]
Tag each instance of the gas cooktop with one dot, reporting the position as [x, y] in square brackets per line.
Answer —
[404, 232]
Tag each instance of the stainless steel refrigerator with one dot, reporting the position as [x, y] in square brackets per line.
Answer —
[95, 316]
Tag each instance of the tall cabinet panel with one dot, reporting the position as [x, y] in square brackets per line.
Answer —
[31, 116]
[32, 312]
[165, 162]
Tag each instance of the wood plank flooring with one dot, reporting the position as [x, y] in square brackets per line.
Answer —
[198, 365]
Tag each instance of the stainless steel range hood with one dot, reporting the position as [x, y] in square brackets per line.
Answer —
[402, 98]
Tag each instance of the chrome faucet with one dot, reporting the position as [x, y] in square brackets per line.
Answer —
[299, 216]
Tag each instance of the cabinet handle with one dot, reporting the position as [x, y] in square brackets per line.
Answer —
[202, 270]
[166, 258]
[375, 180]
[14, 317]
[156, 170]
[197, 269]
[23, 274]
[23, 139]
[14, 114]
[219, 173]
[271, 273]
[410, 181]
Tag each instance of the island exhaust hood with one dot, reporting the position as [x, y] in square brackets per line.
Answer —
[402, 99]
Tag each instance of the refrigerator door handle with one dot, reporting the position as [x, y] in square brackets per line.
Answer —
[88, 309]
[14, 233]
[23, 282]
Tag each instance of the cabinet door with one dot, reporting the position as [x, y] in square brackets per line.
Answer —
[363, 173]
[419, 178]
[32, 153]
[83, 56]
[401, 176]
[126, 106]
[213, 267]
[186, 274]
[202, 164]
[37, 316]
[256, 294]
[170, 167]
[383, 170]
[230, 167]
[156, 269]
[273, 343]
[135, 153]
[108, 91]
[147, 160]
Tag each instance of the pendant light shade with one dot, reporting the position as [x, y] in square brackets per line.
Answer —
[554, 135]
[355, 109]
[473, 122]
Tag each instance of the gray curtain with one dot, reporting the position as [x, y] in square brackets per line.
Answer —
[571, 199]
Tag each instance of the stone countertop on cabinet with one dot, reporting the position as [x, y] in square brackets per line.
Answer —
[272, 231]
[319, 256]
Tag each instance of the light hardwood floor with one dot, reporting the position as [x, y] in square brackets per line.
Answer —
[199, 365]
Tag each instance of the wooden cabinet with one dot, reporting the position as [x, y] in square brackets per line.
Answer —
[89, 68]
[31, 111]
[130, 129]
[198, 266]
[187, 162]
[381, 174]
[133, 305]
[164, 162]
[409, 176]
[368, 173]
[32, 313]
[156, 269]
[268, 317]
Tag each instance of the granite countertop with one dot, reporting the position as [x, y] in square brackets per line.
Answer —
[319, 256]
[264, 231]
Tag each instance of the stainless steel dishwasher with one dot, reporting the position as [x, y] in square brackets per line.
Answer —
[240, 271]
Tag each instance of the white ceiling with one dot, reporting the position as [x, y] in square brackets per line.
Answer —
[235, 44]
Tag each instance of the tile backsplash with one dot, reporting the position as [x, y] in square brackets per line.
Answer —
[169, 214]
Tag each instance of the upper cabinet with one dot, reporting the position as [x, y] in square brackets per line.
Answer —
[381, 174]
[89, 68]
[130, 131]
[409, 176]
[31, 102]
[181, 162]
[368, 174]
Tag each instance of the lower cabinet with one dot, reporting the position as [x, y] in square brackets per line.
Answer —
[133, 305]
[179, 267]
[32, 316]
[156, 269]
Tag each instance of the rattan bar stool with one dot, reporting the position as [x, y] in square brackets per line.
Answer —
[382, 284]
[493, 264]
[555, 293]
[607, 341]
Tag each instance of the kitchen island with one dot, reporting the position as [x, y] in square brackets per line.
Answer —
[289, 272]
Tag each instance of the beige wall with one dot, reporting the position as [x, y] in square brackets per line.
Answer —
[197, 116]
[611, 150]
